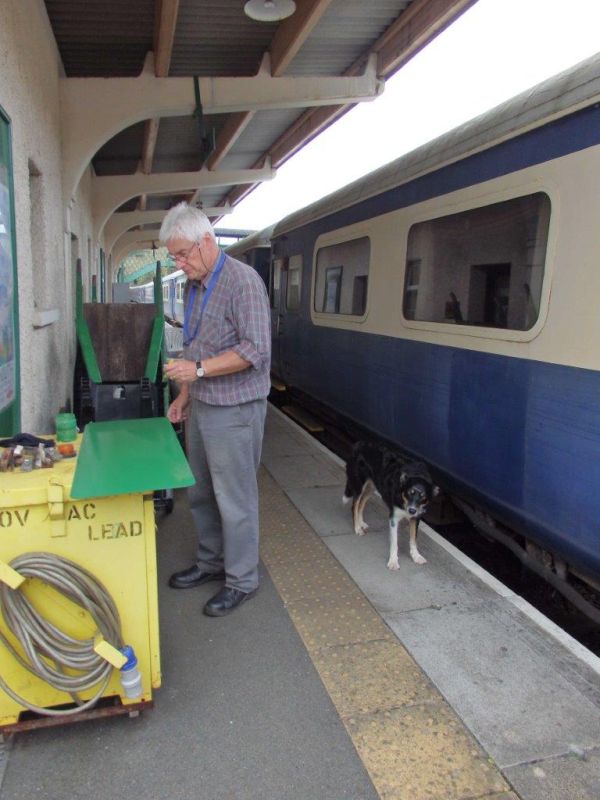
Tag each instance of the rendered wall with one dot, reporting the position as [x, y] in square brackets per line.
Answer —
[30, 70]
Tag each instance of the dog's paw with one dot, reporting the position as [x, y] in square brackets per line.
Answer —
[360, 531]
[346, 500]
[418, 559]
[393, 564]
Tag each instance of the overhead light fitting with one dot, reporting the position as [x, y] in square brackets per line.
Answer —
[269, 10]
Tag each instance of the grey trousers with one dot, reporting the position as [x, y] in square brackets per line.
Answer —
[223, 449]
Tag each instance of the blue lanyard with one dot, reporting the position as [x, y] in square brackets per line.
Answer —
[187, 339]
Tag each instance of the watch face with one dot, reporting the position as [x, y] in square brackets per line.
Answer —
[200, 372]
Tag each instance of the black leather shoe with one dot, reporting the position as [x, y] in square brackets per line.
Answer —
[226, 600]
[193, 576]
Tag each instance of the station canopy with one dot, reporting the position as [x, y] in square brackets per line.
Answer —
[198, 100]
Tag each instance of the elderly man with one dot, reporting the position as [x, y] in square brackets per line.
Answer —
[224, 379]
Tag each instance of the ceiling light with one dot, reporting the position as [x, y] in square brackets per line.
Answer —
[269, 10]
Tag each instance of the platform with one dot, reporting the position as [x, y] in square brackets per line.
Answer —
[340, 679]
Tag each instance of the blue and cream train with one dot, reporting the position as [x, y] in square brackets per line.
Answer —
[449, 303]
[172, 288]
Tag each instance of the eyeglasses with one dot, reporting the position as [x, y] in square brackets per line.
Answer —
[183, 255]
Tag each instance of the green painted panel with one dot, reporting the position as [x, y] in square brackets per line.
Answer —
[158, 330]
[87, 350]
[155, 350]
[129, 456]
[10, 400]
[83, 332]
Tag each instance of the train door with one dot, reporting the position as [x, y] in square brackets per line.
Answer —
[178, 304]
[290, 325]
[172, 298]
[277, 297]
[166, 297]
[260, 262]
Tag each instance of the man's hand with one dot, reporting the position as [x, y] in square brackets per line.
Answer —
[181, 370]
[177, 411]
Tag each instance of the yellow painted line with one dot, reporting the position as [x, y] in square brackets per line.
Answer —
[409, 739]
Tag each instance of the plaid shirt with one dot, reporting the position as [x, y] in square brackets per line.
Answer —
[236, 317]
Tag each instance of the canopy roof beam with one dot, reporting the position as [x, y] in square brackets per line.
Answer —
[95, 109]
[110, 192]
[120, 223]
[422, 21]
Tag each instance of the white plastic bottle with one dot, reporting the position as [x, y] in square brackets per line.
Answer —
[131, 680]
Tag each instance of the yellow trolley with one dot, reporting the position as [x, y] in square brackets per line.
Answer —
[96, 511]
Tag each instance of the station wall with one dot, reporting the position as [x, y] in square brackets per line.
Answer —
[50, 233]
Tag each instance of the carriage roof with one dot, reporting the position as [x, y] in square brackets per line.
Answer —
[561, 94]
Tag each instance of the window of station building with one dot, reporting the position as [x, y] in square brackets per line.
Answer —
[294, 283]
[483, 267]
[342, 276]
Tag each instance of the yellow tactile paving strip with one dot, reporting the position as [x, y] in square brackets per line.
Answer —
[411, 742]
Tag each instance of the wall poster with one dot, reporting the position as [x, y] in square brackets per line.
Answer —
[9, 356]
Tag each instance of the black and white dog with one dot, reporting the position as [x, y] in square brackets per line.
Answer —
[406, 489]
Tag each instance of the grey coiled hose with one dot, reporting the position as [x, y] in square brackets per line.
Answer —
[43, 643]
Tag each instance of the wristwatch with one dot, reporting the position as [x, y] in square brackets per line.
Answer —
[199, 369]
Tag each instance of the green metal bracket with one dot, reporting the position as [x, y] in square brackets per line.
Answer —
[83, 332]
[158, 330]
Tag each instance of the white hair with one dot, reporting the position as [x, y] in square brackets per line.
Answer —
[185, 222]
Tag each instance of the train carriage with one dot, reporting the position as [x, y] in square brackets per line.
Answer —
[448, 303]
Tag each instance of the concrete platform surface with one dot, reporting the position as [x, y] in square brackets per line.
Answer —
[241, 714]
[528, 693]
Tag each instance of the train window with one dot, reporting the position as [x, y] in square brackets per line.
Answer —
[276, 282]
[342, 277]
[179, 287]
[165, 289]
[484, 266]
[294, 282]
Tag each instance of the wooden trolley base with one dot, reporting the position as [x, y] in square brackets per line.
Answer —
[106, 707]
